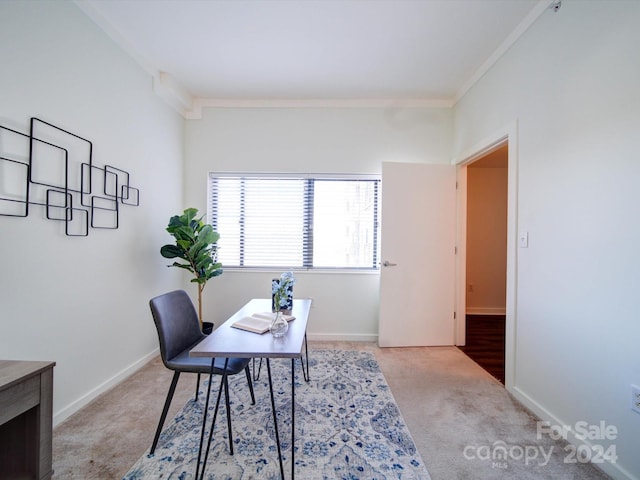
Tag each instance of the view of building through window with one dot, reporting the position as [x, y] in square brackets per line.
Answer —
[343, 224]
[294, 222]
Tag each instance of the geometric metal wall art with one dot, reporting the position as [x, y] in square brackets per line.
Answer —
[53, 168]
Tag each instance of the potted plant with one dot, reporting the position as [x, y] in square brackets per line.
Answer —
[196, 245]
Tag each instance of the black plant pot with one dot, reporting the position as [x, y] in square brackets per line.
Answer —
[207, 328]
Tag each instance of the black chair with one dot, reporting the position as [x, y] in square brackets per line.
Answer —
[179, 331]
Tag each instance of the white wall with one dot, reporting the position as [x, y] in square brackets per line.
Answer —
[316, 140]
[83, 302]
[486, 240]
[572, 82]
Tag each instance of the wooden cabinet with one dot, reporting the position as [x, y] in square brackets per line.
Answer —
[26, 406]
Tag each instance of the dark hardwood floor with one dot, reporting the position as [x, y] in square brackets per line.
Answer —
[485, 343]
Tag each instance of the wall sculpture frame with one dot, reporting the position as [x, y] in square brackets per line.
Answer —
[53, 168]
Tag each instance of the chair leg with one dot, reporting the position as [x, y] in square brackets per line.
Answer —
[253, 398]
[197, 387]
[167, 403]
[226, 398]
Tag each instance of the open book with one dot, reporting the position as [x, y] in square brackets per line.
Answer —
[258, 322]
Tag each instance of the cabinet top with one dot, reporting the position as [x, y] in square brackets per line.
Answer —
[13, 371]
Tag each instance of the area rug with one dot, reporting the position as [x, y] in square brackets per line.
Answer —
[347, 426]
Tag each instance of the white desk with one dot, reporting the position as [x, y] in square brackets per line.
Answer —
[228, 342]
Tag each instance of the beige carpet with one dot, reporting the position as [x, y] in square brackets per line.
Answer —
[456, 413]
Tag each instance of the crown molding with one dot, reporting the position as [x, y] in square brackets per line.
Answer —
[200, 103]
[91, 11]
[167, 88]
[513, 37]
[164, 86]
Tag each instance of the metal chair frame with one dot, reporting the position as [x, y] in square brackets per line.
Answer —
[174, 314]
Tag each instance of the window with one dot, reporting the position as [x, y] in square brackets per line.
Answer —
[295, 221]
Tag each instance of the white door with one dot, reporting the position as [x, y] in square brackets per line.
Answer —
[417, 284]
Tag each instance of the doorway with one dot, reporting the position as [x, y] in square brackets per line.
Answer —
[486, 260]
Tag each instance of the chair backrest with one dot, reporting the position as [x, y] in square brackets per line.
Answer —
[177, 323]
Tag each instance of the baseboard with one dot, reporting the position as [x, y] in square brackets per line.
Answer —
[341, 337]
[486, 311]
[614, 470]
[73, 407]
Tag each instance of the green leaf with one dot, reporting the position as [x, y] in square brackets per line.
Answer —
[184, 232]
[202, 263]
[188, 215]
[174, 222]
[186, 266]
[171, 251]
[184, 244]
[196, 247]
[208, 235]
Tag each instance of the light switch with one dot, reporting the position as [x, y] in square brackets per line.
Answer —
[524, 239]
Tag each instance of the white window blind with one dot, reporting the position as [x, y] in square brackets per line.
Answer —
[293, 221]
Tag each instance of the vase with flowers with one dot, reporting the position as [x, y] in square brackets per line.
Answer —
[282, 302]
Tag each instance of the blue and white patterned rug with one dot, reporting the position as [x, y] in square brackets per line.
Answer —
[347, 427]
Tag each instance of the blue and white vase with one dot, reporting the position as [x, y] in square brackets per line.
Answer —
[286, 304]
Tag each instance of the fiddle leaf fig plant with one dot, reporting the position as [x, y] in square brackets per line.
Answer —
[196, 245]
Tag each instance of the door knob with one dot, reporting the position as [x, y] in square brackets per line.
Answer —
[387, 263]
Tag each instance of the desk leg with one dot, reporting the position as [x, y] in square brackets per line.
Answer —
[293, 415]
[256, 376]
[215, 414]
[305, 374]
[204, 420]
[275, 419]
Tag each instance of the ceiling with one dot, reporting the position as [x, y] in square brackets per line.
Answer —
[428, 51]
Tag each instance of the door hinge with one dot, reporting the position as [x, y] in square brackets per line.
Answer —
[455, 250]
[454, 315]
